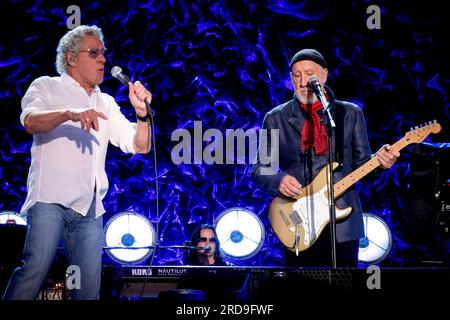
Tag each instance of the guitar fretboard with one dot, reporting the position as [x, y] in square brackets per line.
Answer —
[365, 169]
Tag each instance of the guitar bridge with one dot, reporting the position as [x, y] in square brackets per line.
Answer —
[295, 218]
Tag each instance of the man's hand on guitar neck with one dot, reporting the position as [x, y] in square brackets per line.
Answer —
[386, 156]
[289, 186]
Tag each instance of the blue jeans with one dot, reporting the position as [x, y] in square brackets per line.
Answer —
[83, 238]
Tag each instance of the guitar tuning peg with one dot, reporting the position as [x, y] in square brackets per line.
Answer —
[411, 129]
[434, 121]
[430, 122]
[416, 127]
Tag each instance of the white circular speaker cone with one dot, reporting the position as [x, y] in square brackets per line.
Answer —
[241, 233]
[12, 217]
[130, 237]
[377, 243]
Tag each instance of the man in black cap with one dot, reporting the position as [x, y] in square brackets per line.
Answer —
[303, 150]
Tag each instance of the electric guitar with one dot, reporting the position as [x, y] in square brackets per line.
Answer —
[299, 221]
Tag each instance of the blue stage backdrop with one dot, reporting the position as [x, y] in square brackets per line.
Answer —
[225, 63]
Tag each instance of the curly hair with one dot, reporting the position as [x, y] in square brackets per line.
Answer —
[71, 41]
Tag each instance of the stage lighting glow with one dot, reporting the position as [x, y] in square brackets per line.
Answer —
[240, 232]
[12, 217]
[377, 243]
[130, 237]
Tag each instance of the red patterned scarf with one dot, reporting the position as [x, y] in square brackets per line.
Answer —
[314, 132]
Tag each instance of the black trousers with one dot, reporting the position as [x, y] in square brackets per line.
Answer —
[319, 254]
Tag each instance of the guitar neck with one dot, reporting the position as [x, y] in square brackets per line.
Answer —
[349, 180]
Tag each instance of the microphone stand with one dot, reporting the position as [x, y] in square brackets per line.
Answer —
[182, 247]
[331, 125]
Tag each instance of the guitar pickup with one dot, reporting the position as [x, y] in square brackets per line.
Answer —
[295, 218]
[284, 218]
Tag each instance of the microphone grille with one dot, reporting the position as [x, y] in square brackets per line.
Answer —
[115, 71]
[311, 79]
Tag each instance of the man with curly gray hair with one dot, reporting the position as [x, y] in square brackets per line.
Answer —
[72, 122]
[71, 41]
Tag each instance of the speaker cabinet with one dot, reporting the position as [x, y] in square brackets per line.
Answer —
[426, 220]
[429, 174]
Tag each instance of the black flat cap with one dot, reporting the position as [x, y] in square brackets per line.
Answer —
[308, 54]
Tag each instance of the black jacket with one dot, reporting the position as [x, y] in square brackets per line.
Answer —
[354, 150]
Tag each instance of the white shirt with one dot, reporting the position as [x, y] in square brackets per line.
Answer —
[67, 162]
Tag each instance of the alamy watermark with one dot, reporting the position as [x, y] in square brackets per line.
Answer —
[74, 20]
[235, 147]
[374, 280]
[73, 277]
[374, 20]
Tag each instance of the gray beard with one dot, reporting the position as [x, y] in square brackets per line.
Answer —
[309, 100]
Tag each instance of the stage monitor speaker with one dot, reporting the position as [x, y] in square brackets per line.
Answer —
[241, 233]
[13, 229]
[130, 238]
[377, 241]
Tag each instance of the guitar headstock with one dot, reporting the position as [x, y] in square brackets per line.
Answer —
[419, 133]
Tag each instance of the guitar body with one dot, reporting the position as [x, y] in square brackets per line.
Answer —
[304, 219]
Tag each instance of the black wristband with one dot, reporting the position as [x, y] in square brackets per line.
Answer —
[143, 119]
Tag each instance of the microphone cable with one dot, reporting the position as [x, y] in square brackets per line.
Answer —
[152, 130]
[152, 125]
[117, 73]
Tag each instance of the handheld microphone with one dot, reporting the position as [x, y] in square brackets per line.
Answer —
[208, 248]
[116, 72]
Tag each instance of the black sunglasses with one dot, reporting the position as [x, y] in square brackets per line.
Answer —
[203, 239]
[94, 52]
